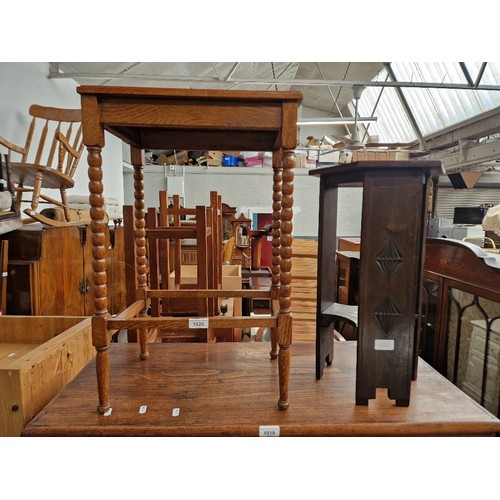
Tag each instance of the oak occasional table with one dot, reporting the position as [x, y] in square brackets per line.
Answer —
[159, 118]
[393, 229]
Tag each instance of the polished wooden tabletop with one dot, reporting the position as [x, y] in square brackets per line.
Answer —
[204, 397]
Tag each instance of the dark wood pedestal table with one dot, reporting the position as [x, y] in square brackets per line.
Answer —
[393, 232]
[159, 118]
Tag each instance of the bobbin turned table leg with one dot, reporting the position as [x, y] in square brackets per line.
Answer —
[285, 315]
[137, 159]
[101, 344]
[275, 263]
[100, 337]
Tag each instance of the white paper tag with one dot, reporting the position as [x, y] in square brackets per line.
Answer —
[5, 274]
[175, 412]
[143, 409]
[269, 430]
[384, 344]
[198, 322]
[108, 413]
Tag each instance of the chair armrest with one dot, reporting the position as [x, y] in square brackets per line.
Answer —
[67, 146]
[10, 146]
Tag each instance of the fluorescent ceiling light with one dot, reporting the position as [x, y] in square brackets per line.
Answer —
[335, 121]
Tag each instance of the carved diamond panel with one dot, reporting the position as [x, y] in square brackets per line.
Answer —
[387, 315]
[390, 258]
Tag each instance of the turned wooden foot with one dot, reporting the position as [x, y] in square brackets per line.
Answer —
[102, 409]
[283, 405]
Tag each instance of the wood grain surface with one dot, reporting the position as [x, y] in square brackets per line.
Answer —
[230, 389]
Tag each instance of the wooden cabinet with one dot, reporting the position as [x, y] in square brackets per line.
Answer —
[50, 271]
[347, 277]
[352, 244]
[117, 290]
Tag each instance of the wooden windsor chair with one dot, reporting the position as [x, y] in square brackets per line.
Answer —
[48, 160]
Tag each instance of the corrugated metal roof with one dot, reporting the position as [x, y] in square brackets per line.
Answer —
[433, 109]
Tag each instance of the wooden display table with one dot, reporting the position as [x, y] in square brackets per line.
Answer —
[206, 391]
[159, 118]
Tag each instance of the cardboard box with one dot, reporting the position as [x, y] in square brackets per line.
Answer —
[216, 155]
[345, 157]
[248, 154]
[211, 159]
[39, 356]
[231, 276]
[253, 161]
[178, 158]
[300, 159]
[267, 159]
[368, 155]
[312, 141]
[330, 157]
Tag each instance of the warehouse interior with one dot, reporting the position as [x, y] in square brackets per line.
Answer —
[446, 112]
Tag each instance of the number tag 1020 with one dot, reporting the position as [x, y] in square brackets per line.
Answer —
[198, 322]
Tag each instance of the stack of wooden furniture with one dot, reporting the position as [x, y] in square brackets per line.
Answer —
[304, 269]
[167, 227]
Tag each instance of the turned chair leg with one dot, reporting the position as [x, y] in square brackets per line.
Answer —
[37, 187]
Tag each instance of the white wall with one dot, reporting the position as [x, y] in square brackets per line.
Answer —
[23, 84]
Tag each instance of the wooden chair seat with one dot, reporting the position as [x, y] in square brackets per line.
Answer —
[25, 174]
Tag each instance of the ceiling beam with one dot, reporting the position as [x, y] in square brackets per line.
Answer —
[334, 99]
[406, 107]
[466, 73]
[479, 126]
[468, 153]
[265, 81]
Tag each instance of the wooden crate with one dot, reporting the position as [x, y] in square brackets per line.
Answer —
[39, 355]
